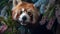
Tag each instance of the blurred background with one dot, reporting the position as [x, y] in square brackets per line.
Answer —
[10, 27]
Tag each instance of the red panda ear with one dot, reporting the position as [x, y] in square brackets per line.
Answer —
[15, 2]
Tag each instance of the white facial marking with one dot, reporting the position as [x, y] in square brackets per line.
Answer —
[22, 9]
[15, 16]
[22, 15]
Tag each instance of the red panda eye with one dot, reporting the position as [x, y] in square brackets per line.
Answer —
[20, 12]
[29, 13]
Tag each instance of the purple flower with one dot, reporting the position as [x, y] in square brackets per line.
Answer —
[3, 28]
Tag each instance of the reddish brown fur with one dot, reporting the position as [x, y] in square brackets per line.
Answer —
[26, 6]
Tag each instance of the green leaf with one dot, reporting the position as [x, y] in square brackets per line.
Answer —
[51, 14]
[48, 11]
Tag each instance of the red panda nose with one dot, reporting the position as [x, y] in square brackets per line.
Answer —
[24, 18]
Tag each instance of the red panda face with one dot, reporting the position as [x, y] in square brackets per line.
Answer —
[25, 13]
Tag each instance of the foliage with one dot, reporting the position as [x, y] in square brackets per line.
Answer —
[50, 12]
[9, 22]
[12, 24]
